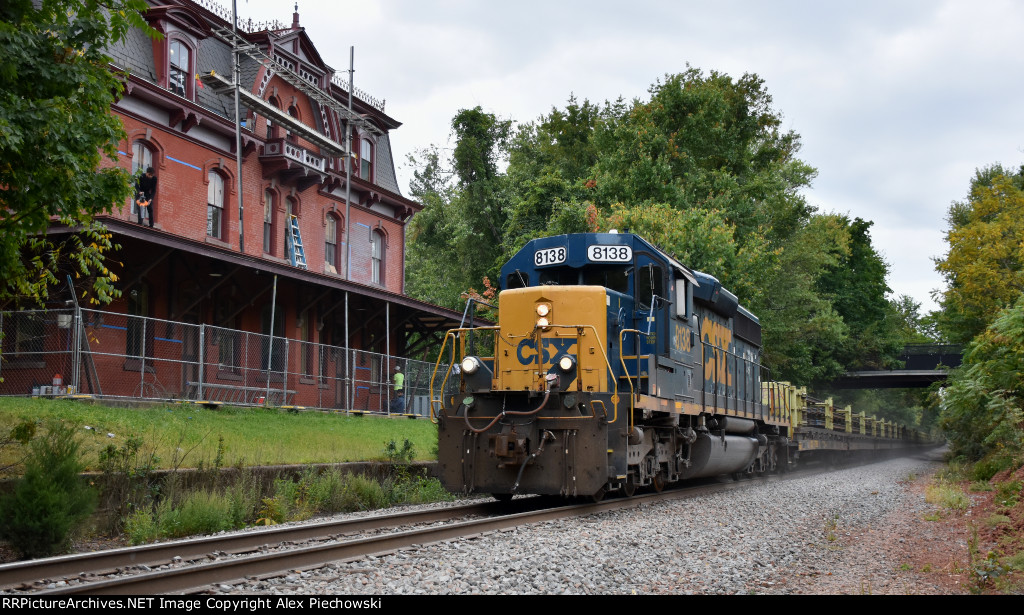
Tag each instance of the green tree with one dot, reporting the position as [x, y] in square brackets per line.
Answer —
[855, 285]
[456, 241]
[50, 501]
[984, 268]
[56, 89]
[707, 141]
[982, 408]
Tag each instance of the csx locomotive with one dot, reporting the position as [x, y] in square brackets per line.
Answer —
[614, 367]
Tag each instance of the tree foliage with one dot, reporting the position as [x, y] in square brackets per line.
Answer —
[56, 90]
[702, 169]
[50, 501]
[984, 268]
[983, 405]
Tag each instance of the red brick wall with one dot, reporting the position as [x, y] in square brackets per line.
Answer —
[182, 167]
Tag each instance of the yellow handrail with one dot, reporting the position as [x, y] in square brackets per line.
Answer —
[579, 329]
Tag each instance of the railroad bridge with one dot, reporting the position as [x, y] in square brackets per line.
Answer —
[923, 365]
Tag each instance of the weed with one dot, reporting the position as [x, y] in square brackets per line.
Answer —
[141, 527]
[128, 480]
[403, 455]
[980, 485]
[904, 567]
[948, 496]
[830, 528]
[1008, 493]
[926, 568]
[19, 437]
[996, 520]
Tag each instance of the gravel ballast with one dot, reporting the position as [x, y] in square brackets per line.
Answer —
[829, 533]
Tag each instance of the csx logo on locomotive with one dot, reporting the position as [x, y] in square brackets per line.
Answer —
[551, 348]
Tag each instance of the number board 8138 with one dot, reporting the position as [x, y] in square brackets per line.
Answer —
[614, 254]
[550, 256]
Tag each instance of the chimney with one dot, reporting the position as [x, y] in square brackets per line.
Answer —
[295, 17]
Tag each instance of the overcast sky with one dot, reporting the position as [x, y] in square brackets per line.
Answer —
[896, 102]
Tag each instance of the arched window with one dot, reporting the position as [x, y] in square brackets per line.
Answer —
[377, 256]
[271, 134]
[366, 160]
[331, 251]
[291, 208]
[215, 206]
[294, 112]
[268, 222]
[142, 159]
[179, 71]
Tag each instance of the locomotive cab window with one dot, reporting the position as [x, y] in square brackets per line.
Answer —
[648, 285]
[561, 276]
[684, 299]
[517, 279]
[614, 278]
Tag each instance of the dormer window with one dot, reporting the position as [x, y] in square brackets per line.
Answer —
[180, 69]
[366, 160]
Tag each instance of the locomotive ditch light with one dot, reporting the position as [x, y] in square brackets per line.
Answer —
[566, 363]
[470, 365]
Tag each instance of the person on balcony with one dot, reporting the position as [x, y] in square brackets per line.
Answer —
[145, 191]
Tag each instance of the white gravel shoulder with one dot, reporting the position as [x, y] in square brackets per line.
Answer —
[776, 538]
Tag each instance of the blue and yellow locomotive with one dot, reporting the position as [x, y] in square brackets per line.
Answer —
[612, 367]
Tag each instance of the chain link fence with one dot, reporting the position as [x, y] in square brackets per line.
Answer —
[120, 356]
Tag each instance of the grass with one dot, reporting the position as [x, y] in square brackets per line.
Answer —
[947, 496]
[184, 435]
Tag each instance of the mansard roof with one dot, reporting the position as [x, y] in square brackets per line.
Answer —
[200, 20]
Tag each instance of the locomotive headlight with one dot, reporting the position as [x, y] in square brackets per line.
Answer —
[542, 322]
[566, 363]
[543, 309]
[470, 365]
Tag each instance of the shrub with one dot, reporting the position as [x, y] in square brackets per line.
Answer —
[50, 501]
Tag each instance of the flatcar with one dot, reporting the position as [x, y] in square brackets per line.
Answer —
[614, 367]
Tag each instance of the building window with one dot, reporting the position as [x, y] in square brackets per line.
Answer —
[179, 71]
[306, 353]
[292, 111]
[272, 352]
[227, 339]
[290, 210]
[28, 333]
[215, 206]
[268, 222]
[331, 244]
[142, 159]
[271, 134]
[366, 160]
[137, 338]
[377, 255]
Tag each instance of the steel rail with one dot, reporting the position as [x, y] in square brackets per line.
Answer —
[198, 577]
[18, 574]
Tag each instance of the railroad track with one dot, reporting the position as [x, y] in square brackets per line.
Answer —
[192, 566]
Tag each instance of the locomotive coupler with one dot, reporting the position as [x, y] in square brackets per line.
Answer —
[545, 436]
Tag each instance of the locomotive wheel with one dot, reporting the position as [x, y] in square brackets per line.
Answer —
[658, 482]
[629, 487]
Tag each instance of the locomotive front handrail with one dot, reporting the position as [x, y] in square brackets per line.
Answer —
[437, 364]
[579, 333]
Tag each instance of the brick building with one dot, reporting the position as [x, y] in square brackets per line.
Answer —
[335, 265]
